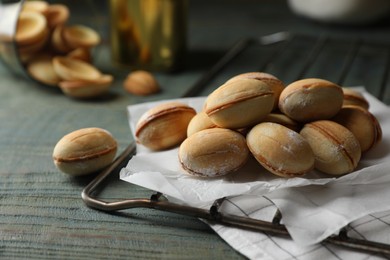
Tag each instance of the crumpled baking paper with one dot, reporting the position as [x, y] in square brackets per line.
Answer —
[313, 207]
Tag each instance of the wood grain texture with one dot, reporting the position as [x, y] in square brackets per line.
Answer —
[42, 216]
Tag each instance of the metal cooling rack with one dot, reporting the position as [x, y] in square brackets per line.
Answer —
[230, 64]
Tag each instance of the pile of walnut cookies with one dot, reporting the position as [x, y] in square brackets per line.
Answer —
[290, 130]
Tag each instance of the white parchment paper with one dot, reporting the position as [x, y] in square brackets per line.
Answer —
[313, 207]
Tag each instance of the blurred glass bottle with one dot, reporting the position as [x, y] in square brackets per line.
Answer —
[148, 34]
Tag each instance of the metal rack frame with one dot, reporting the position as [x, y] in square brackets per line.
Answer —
[213, 214]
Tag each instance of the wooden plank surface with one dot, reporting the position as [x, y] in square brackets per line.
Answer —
[41, 211]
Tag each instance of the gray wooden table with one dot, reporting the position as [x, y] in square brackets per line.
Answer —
[41, 211]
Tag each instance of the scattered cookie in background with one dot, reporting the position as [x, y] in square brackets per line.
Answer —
[58, 54]
[85, 89]
[41, 68]
[141, 83]
[43, 37]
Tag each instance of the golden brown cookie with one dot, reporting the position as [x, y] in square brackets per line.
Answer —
[362, 124]
[275, 84]
[336, 149]
[164, 125]
[280, 150]
[213, 152]
[240, 103]
[311, 99]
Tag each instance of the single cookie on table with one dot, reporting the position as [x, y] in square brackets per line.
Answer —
[362, 124]
[85, 151]
[336, 149]
[276, 84]
[311, 99]
[141, 82]
[213, 152]
[239, 104]
[353, 97]
[164, 125]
